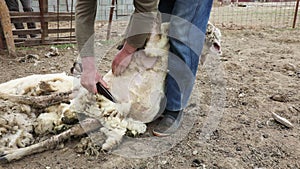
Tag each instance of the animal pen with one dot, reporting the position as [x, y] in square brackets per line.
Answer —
[55, 19]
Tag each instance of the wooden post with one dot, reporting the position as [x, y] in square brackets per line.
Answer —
[71, 26]
[2, 46]
[67, 6]
[111, 12]
[7, 28]
[296, 13]
[44, 25]
[57, 15]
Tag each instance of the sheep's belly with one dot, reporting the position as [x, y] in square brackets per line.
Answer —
[143, 91]
[142, 87]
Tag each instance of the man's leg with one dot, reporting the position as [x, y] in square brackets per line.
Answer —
[28, 8]
[13, 6]
[187, 34]
[165, 7]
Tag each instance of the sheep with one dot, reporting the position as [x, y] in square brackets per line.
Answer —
[138, 97]
[137, 102]
[212, 44]
[113, 119]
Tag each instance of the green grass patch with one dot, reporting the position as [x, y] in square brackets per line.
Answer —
[64, 46]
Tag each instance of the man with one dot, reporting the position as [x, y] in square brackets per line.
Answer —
[138, 30]
[13, 5]
[188, 20]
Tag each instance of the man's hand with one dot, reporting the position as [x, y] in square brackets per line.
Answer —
[90, 76]
[122, 59]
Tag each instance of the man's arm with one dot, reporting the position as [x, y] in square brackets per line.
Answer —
[137, 33]
[141, 22]
[85, 22]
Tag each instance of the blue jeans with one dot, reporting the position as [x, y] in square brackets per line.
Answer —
[188, 20]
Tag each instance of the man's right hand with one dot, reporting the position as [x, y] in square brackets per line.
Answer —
[90, 76]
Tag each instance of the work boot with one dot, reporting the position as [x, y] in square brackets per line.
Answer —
[169, 124]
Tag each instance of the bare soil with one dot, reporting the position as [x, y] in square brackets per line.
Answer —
[256, 65]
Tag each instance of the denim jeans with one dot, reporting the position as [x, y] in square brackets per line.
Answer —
[188, 20]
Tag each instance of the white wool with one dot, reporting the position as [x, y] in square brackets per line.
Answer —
[114, 136]
[18, 120]
[142, 84]
[46, 122]
[109, 114]
[138, 91]
[59, 82]
[12, 140]
[16, 125]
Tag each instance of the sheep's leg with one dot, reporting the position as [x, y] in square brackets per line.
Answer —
[38, 101]
[87, 125]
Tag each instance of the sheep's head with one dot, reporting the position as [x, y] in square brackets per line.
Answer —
[213, 39]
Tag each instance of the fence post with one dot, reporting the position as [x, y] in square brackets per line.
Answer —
[111, 12]
[44, 25]
[7, 28]
[296, 12]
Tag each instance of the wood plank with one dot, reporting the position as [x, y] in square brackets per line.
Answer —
[47, 18]
[48, 39]
[35, 43]
[26, 31]
[61, 30]
[39, 31]
[13, 14]
[7, 28]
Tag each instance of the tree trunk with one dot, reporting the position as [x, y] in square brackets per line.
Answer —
[7, 28]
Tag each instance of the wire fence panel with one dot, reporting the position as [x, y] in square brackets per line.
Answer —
[229, 13]
[255, 14]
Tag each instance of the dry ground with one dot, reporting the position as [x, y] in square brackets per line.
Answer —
[256, 64]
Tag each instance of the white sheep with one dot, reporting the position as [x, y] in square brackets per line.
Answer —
[138, 93]
[137, 102]
[212, 44]
[129, 113]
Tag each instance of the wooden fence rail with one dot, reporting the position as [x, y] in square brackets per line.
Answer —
[52, 27]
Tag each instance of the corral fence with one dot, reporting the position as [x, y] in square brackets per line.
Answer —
[52, 27]
[55, 18]
[256, 14]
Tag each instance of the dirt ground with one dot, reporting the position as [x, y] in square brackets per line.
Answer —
[258, 73]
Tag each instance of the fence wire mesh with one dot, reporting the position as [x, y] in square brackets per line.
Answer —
[255, 14]
[229, 13]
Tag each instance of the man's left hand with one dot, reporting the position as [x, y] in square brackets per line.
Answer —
[122, 59]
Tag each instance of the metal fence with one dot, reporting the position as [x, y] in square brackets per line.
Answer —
[229, 13]
[122, 8]
[56, 23]
[256, 14]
